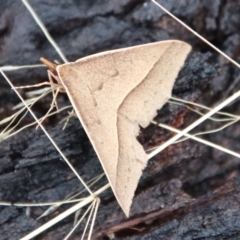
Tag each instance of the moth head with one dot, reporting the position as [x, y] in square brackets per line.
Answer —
[52, 70]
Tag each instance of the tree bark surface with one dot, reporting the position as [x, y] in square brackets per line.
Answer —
[188, 191]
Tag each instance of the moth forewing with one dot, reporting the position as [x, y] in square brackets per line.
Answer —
[114, 92]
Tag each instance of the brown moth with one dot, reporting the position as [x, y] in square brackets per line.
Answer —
[114, 92]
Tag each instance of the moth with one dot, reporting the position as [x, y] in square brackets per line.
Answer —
[115, 92]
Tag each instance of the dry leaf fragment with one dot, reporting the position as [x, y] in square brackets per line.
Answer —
[113, 93]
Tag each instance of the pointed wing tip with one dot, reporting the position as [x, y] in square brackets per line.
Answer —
[126, 211]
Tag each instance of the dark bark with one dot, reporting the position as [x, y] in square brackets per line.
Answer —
[189, 191]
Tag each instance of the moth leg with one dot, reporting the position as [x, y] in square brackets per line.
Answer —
[50, 77]
[38, 85]
[53, 104]
[56, 88]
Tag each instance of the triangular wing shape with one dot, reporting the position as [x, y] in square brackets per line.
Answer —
[113, 93]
